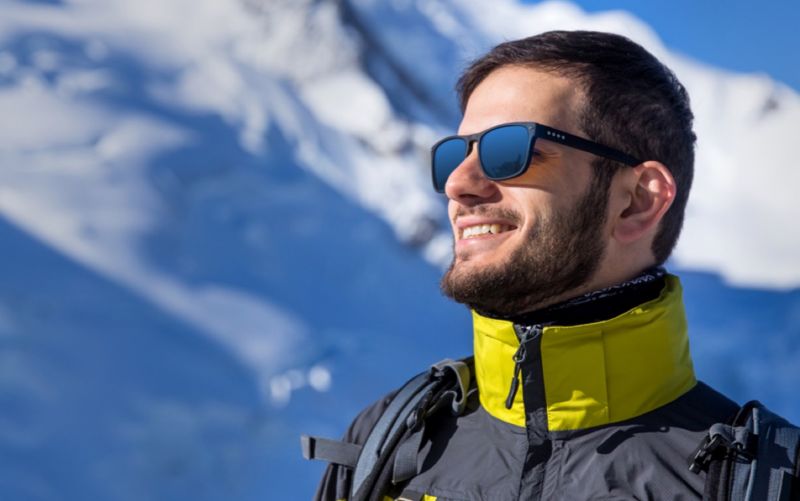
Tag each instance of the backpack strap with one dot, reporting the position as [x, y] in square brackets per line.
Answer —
[385, 435]
[391, 450]
[755, 457]
[396, 456]
[406, 462]
[332, 451]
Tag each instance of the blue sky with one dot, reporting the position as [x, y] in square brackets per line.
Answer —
[738, 35]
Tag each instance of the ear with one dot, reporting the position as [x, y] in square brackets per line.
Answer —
[650, 190]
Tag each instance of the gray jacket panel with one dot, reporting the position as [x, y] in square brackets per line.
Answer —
[478, 457]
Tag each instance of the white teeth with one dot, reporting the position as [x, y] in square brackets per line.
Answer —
[483, 229]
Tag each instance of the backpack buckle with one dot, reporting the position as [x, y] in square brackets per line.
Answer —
[733, 440]
[703, 454]
[417, 416]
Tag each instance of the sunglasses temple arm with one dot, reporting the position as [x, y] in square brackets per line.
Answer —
[565, 138]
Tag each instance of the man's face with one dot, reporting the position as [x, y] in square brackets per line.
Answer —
[547, 226]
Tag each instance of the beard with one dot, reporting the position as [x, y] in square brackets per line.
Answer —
[560, 253]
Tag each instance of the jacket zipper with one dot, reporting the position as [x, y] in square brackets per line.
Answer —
[529, 333]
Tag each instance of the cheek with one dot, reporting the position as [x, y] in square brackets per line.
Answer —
[535, 206]
[451, 213]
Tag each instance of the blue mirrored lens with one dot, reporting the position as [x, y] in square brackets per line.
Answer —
[447, 156]
[504, 151]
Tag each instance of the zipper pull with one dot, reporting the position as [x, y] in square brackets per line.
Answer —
[518, 358]
[524, 334]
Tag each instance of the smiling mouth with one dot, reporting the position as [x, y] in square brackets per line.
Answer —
[481, 230]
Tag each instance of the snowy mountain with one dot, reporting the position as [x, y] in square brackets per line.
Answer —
[217, 221]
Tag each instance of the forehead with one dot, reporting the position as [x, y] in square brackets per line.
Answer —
[523, 94]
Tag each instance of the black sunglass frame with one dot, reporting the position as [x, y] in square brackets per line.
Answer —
[535, 131]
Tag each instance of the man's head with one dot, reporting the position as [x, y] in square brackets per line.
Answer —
[573, 221]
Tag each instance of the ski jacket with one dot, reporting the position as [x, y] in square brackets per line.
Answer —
[602, 409]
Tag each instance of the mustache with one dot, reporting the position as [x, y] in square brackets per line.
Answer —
[489, 212]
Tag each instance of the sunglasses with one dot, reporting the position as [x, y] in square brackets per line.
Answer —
[504, 151]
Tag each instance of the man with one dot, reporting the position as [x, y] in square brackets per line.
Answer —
[567, 185]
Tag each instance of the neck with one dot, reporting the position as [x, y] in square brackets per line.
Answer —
[595, 305]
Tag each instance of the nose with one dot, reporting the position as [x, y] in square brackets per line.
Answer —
[468, 184]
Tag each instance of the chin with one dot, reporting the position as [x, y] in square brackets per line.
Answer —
[473, 263]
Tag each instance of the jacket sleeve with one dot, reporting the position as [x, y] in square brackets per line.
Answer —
[335, 483]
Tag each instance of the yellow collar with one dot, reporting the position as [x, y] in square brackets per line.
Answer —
[596, 373]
